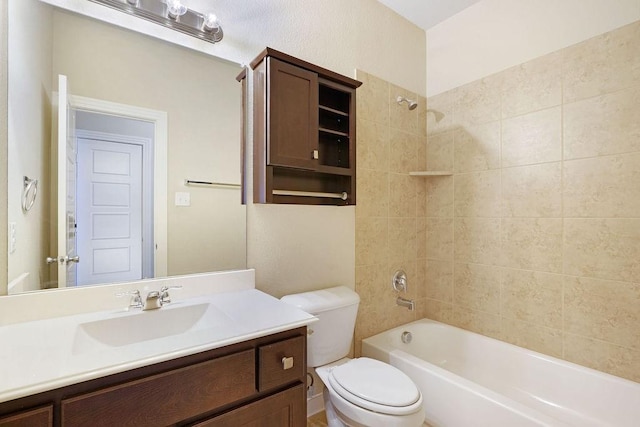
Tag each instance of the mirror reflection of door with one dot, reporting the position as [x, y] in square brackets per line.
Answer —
[107, 206]
[66, 167]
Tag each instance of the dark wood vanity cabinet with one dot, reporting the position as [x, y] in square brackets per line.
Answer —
[304, 132]
[278, 410]
[259, 382]
[38, 417]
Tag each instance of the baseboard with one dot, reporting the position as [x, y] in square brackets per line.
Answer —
[315, 404]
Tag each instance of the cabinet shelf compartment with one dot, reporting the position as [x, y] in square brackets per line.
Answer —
[331, 122]
[289, 179]
[332, 97]
[333, 150]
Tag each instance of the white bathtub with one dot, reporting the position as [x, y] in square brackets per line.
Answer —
[471, 380]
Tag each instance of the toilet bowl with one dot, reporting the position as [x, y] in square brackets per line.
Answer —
[366, 392]
[359, 392]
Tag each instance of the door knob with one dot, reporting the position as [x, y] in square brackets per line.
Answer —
[69, 259]
[51, 260]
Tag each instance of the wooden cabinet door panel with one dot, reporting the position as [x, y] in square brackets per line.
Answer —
[167, 398]
[285, 409]
[292, 117]
[271, 370]
[41, 417]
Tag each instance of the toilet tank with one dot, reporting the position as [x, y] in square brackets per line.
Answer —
[336, 308]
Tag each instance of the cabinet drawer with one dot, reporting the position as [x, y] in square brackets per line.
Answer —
[287, 408]
[281, 363]
[166, 398]
[41, 417]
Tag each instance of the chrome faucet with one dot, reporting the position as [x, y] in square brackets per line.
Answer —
[136, 300]
[408, 303]
[156, 299]
[165, 298]
[152, 302]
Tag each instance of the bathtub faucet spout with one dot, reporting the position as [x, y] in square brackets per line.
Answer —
[403, 302]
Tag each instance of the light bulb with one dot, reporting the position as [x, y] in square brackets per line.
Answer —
[175, 9]
[211, 22]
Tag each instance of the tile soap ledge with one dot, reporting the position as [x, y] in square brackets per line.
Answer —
[431, 173]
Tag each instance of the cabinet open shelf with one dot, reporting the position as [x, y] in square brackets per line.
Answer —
[334, 132]
[334, 170]
[331, 110]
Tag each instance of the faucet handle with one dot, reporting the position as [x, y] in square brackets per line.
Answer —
[136, 300]
[164, 293]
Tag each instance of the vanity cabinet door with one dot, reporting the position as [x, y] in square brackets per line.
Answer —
[292, 138]
[167, 398]
[41, 417]
[284, 409]
[281, 363]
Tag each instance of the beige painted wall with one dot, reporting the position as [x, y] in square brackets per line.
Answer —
[535, 239]
[298, 248]
[301, 248]
[29, 136]
[338, 35]
[203, 103]
[493, 35]
[3, 142]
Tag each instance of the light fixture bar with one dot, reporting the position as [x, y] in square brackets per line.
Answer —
[191, 22]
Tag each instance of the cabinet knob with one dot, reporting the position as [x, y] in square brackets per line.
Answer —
[287, 363]
[314, 154]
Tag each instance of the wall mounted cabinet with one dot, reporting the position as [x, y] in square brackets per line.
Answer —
[304, 132]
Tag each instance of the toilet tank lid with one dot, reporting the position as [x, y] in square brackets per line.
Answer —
[315, 302]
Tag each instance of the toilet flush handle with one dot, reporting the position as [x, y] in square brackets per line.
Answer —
[287, 363]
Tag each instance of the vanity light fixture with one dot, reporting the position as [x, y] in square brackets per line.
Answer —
[173, 14]
[175, 9]
[211, 22]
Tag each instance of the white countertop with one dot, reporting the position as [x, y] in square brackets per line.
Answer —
[43, 355]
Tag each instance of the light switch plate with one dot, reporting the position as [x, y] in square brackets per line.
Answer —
[183, 199]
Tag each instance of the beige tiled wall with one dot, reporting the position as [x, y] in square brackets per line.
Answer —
[392, 205]
[535, 239]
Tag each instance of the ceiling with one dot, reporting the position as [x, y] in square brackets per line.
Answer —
[427, 13]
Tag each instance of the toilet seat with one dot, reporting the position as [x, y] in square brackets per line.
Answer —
[376, 386]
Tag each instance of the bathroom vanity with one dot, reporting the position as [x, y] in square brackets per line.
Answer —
[224, 358]
[224, 386]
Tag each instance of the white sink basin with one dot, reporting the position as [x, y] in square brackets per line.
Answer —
[137, 327]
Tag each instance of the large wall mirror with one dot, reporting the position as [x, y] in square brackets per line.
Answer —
[138, 117]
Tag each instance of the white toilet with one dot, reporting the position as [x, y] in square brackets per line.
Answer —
[358, 392]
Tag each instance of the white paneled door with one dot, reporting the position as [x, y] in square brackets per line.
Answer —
[109, 211]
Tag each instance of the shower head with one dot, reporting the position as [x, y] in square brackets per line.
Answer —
[412, 104]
